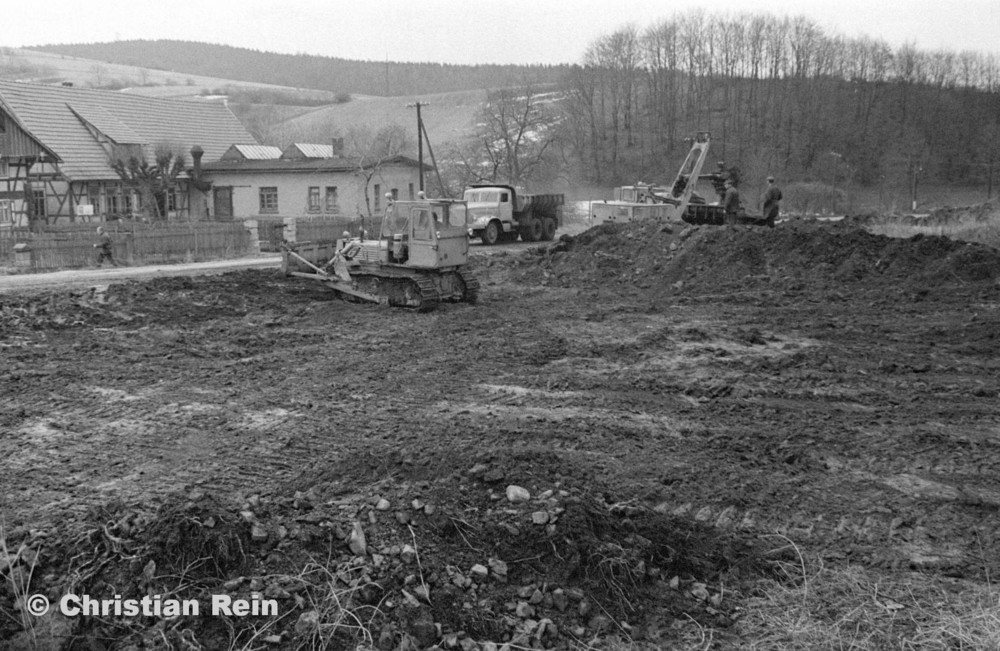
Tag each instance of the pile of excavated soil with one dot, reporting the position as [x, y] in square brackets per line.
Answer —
[651, 256]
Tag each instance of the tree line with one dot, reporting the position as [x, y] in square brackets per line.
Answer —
[780, 96]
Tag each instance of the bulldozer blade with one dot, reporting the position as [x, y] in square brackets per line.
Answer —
[299, 257]
[341, 286]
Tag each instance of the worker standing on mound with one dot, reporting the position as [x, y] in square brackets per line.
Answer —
[772, 199]
[731, 202]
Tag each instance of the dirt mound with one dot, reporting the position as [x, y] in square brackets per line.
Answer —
[403, 564]
[182, 299]
[706, 258]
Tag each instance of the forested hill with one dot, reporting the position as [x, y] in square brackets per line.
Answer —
[307, 71]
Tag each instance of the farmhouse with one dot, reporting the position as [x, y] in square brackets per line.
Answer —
[308, 180]
[57, 144]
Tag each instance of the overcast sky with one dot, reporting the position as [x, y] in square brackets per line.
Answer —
[472, 31]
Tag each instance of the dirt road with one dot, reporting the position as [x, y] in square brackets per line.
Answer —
[690, 412]
[79, 278]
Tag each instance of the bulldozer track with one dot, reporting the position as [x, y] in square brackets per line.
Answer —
[429, 296]
[471, 285]
[417, 292]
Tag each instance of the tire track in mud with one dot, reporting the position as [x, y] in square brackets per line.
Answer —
[136, 446]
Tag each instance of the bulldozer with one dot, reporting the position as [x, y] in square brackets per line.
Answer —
[418, 260]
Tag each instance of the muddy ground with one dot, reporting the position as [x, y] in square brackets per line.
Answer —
[688, 411]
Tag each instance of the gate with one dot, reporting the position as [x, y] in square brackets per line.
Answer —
[272, 235]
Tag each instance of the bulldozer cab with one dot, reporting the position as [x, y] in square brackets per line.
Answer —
[428, 234]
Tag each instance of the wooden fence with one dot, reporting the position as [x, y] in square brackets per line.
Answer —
[67, 246]
[72, 245]
[273, 231]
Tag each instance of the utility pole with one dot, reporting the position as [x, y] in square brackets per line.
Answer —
[420, 141]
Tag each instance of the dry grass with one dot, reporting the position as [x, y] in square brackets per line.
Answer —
[859, 608]
[977, 223]
[18, 582]
[985, 233]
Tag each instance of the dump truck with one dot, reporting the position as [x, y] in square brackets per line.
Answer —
[500, 213]
[418, 260]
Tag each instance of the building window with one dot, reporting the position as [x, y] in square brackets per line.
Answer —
[314, 199]
[331, 199]
[6, 216]
[38, 203]
[395, 194]
[269, 200]
[172, 200]
[4, 168]
[378, 197]
[128, 203]
[411, 192]
[94, 197]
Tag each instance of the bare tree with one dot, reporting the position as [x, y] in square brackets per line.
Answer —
[153, 181]
[370, 150]
[514, 136]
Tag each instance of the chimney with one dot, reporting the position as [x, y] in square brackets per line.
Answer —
[338, 147]
[196, 153]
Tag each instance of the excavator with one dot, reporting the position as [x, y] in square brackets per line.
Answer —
[418, 260]
[665, 203]
[679, 201]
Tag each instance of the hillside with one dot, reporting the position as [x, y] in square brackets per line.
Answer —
[276, 114]
[304, 71]
[47, 67]
[447, 116]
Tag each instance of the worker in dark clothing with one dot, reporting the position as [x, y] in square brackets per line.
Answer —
[772, 199]
[103, 247]
[731, 202]
[718, 179]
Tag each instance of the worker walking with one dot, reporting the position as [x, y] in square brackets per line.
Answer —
[772, 199]
[731, 202]
[103, 246]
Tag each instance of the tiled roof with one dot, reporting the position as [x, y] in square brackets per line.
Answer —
[108, 124]
[252, 152]
[53, 115]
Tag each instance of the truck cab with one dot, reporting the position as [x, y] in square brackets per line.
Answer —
[491, 212]
[500, 213]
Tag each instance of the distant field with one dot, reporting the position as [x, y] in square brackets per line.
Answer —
[447, 116]
[87, 73]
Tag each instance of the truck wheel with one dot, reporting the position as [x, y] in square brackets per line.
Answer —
[491, 234]
[532, 231]
[548, 228]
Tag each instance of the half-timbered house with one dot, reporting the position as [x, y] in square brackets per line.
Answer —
[58, 144]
